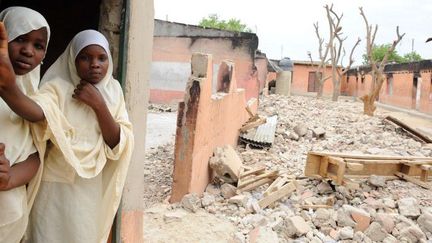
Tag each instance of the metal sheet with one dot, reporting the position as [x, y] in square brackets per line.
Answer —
[263, 135]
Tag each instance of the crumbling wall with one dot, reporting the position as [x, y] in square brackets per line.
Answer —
[204, 122]
[173, 46]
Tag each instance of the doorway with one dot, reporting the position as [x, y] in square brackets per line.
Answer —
[313, 83]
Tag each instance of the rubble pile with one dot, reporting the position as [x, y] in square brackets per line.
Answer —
[379, 210]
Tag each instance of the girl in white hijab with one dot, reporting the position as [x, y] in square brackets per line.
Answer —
[89, 147]
[28, 35]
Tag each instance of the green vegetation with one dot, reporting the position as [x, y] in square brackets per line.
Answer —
[213, 21]
[379, 51]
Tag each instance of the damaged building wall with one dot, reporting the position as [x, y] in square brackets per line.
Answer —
[407, 85]
[303, 78]
[173, 46]
[206, 121]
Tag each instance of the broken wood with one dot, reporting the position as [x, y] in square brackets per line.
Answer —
[413, 132]
[276, 185]
[252, 124]
[271, 175]
[282, 192]
[341, 167]
[254, 185]
[414, 180]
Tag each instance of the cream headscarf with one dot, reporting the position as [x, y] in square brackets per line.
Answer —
[79, 148]
[16, 131]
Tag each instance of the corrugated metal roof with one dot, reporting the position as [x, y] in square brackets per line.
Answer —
[263, 135]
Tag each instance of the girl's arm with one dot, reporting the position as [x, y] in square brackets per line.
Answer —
[9, 91]
[110, 129]
[19, 174]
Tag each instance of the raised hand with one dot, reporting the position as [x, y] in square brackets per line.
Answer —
[88, 94]
[4, 169]
[7, 74]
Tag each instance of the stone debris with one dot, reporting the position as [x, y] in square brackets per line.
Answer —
[378, 181]
[376, 209]
[226, 164]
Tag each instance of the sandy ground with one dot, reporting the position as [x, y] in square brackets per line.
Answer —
[160, 129]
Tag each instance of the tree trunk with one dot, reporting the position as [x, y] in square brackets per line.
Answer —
[336, 90]
[368, 104]
[320, 90]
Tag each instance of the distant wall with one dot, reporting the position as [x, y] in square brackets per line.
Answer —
[173, 46]
[407, 85]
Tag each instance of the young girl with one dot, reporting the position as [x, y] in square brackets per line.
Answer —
[80, 111]
[28, 34]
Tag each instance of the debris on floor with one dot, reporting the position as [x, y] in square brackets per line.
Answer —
[372, 208]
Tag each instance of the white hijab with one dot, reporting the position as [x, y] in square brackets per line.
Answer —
[19, 21]
[16, 131]
[79, 148]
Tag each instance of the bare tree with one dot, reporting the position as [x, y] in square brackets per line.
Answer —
[334, 47]
[377, 69]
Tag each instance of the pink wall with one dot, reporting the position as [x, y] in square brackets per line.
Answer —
[301, 77]
[180, 49]
[402, 90]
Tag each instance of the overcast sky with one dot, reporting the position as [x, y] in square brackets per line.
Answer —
[285, 28]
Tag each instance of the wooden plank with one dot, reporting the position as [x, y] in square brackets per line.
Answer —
[367, 156]
[413, 180]
[323, 166]
[278, 183]
[312, 166]
[254, 185]
[271, 174]
[409, 129]
[252, 124]
[355, 166]
[253, 172]
[282, 192]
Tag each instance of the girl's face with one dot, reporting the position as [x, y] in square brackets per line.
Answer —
[92, 63]
[27, 51]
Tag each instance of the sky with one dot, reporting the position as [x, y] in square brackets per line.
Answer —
[285, 28]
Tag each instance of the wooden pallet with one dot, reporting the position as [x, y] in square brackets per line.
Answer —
[341, 167]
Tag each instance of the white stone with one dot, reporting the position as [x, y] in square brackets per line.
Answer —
[409, 207]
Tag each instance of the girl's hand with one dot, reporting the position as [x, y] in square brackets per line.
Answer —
[4, 169]
[7, 74]
[88, 94]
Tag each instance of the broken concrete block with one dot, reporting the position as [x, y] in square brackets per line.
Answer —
[375, 232]
[294, 226]
[191, 202]
[425, 221]
[228, 190]
[263, 235]
[346, 233]
[240, 200]
[361, 217]
[207, 199]
[213, 189]
[378, 181]
[409, 207]
[301, 129]
[318, 132]
[226, 164]
[386, 221]
[293, 136]
[411, 234]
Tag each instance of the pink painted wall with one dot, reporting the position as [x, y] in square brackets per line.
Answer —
[402, 94]
[180, 49]
[301, 76]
